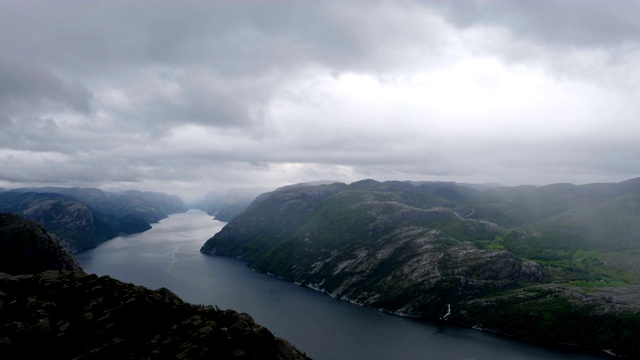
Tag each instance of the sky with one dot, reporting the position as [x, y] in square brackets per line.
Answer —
[189, 97]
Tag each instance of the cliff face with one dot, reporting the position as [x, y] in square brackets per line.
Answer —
[442, 250]
[65, 315]
[370, 247]
[26, 248]
[72, 215]
[82, 218]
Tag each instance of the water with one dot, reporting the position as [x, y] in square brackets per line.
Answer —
[168, 256]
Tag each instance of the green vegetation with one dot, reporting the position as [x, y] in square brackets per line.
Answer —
[533, 262]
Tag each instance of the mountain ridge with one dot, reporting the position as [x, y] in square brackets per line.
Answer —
[420, 249]
[82, 218]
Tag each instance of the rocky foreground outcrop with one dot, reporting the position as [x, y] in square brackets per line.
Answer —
[64, 313]
[26, 248]
[71, 315]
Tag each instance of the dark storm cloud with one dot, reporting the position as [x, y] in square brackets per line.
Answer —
[571, 23]
[182, 95]
[233, 44]
[24, 87]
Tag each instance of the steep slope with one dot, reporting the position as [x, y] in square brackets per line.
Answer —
[85, 217]
[600, 319]
[226, 206]
[229, 205]
[95, 198]
[430, 249]
[26, 248]
[362, 243]
[149, 205]
[75, 224]
[590, 232]
[70, 315]
[538, 207]
[64, 313]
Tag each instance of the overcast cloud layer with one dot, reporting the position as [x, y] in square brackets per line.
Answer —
[188, 97]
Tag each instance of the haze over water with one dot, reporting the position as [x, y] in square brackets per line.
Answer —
[325, 328]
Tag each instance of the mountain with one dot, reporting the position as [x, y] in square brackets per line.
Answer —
[232, 203]
[95, 198]
[26, 248]
[71, 315]
[49, 308]
[140, 203]
[148, 205]
[554, 264]
[228, 205]
[591, 232]
[85, 217]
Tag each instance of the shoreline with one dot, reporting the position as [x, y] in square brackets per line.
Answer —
[564, 347]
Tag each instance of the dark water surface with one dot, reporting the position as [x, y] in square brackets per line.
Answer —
[168, 255]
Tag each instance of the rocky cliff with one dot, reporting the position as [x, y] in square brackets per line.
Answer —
[372, 248]
[26, 248]
[82, 218]
[64, 313]
[444, 251]
[70, 315]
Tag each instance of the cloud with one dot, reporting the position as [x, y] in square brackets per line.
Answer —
[571, 23]
[25, 90]
[577, 39]
[197, 96]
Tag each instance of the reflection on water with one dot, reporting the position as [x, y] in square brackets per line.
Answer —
[168, 256]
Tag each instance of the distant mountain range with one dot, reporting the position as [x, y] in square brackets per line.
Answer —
[226, 206]
[555, 264]
[82, 218]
